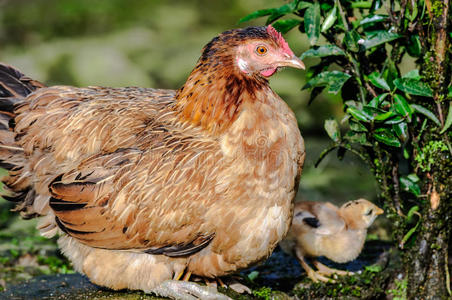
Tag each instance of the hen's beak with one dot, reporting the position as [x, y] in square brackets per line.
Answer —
[293, 62]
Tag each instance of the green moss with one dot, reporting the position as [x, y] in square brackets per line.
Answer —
[400, 292]
[263, 293]
[437, 8]
[427, 156]
[367, 285]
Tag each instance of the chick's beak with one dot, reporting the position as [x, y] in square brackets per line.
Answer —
[379, 211]
[293, 62]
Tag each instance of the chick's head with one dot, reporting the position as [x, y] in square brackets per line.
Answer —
[360, 214]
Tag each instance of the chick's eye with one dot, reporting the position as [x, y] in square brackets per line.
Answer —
[369, 212]
[261, 50]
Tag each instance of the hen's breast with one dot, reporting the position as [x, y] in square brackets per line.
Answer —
[263, 153]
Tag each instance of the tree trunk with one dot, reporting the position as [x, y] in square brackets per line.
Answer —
[427, 260]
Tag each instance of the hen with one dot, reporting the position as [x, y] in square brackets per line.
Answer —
[323, 229]
[145, 184]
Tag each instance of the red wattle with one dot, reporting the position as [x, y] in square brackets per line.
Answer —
[268, 72]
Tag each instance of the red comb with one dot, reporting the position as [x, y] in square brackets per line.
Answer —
[281, 41]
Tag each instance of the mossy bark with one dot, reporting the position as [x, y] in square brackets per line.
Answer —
[426, 260]
[425, 253]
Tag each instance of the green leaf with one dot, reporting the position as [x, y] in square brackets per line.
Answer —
[390, 73]
[375, 102]
[322, 51]
[303, 5]
[396, 120]
[401, 129]
[413, 87]
[330, 19]
[426, 113]
[357, 137]
[413, 74]
[351, 39]
[414, 46]
[332, 128]
[284, 26]
[312, 23]
[402, 107]
[357, 126]
[358, 114]
[386, 136]
[378, 81]
[333, 80]
[372, 19]
[408, 235]
[409, 186]
[373, 268]
[384, 116]
[380, 37]
[376, 5]
[283, 10]
[362, 4]
[448, 120]
[258, 14]
[449, 94]
[253, 275]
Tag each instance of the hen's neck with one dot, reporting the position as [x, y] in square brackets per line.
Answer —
[213, 95]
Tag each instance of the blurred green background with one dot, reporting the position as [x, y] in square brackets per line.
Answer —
[152, 44]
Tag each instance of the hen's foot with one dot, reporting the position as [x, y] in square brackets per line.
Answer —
[185, 290]
[229, 282]
[325, 270]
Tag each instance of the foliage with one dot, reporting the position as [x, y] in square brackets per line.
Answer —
[399, 124]
[399, 293]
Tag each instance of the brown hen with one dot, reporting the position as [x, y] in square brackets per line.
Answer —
[145, 184]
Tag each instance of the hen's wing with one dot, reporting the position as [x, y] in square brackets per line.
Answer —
[121, 172]
[320, 218]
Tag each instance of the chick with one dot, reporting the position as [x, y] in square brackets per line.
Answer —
[323, 229]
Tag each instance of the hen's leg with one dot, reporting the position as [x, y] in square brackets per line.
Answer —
[325, 270]
[311, 273]
[186, 290]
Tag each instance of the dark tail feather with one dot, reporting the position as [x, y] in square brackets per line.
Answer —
[14, 87]
[14, 84]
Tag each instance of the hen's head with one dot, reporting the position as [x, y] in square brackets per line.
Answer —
[253, 51]
[232, 69]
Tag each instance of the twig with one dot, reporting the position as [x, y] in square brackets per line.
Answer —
[395, 181]
[371, 90]
[440, 112]
[446, 266]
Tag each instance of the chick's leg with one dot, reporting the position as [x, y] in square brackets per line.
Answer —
[316, 277]
[325, 270]
[186, 290]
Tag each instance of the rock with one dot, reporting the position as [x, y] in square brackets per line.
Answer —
[66, 286]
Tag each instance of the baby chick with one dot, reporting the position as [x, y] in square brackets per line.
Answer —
[323, 229]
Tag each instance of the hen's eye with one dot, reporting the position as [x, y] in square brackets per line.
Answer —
[261, 50]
